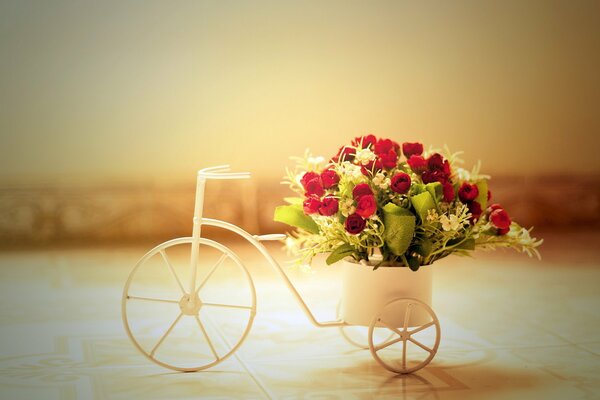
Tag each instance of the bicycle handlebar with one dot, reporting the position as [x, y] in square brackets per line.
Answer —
[221, 172]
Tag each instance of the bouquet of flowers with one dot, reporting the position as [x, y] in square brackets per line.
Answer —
[394, 205]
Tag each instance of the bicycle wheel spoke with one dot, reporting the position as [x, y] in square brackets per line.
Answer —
[227, 306]
[213, 269]
[395, 330]
[387, 344]
[152, 299]
[406, 317]
[164, 336]
[164, 256]
[421, 345]
[421, 328]
[404, 354]
[210, 344]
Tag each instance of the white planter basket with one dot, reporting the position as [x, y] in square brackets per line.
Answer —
[366, 292]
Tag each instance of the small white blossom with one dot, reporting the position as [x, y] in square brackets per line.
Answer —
[432, 215]
[381, 181]
[364, 156]
[315, 162]
[451, 223]
[347, 207]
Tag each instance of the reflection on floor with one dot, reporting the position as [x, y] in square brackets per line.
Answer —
[511, 328]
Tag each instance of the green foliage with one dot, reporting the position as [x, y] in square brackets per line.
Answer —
[340, 253]
[294, 215]
[482, 187]
[422, 203]
[399, 228]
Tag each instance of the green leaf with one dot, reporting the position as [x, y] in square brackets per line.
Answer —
[422, 203]
[341, 252]
[424, 248]
[413, 263]
[294, 215]
[461, 244]
[482, 187]
[295, 201]
[399, 228]
[435, 190]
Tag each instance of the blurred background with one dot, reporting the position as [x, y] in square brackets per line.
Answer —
[107, 109]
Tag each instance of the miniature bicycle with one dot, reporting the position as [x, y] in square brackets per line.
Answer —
[206, 331]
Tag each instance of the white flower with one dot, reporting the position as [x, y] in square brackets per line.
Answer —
[315, 161]
[381, 181]
[451, 223]
[364, 156]
[347, 207]
[351, 170]
[432, 215]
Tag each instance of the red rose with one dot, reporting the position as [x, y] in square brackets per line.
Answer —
[366, 206]
[433, 176]
[355, 224]
[448, 192]
[344, 154]
[500, 219]
[417, 164]
[314, 187]
[467, 192]
[501, 232]
[447, 168]
[435, 162]
[364, 141]
[400, 183]
[329, 178]
[384, 146]
[412, 149]
[311, 205]
[307, 177]
[475, 210]
[361, 189]
[494, 207]
[388, 160]
[371, 167]
[329, 206]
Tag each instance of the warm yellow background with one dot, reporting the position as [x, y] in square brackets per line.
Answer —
[154, 90]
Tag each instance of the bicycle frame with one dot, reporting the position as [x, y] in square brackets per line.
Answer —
[198, 221]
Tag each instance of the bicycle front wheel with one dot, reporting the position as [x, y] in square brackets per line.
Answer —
[184, 330]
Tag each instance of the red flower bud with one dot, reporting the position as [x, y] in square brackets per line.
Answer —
[417, 163]
[329, 178]
[500, 219]
[468, 192]
[329, 206]
[412, 149]
[384, 146]
[400, 183]
[366, 206]
[435, 162]
[311, 205]
[364, 141]
[361, 189]
[314, 187]
[493, 207]
[448, 192]
[388, 160]
[475, 210]
[344, 154]
[489, 195]
[355, 224]
[307, 177]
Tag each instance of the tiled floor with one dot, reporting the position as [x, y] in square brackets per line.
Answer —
[511, 328]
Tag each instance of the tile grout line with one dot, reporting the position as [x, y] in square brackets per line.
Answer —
[261, 385]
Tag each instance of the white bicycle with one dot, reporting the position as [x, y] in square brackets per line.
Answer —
[196, 324]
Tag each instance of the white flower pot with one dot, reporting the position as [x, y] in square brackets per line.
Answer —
[365, 292]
